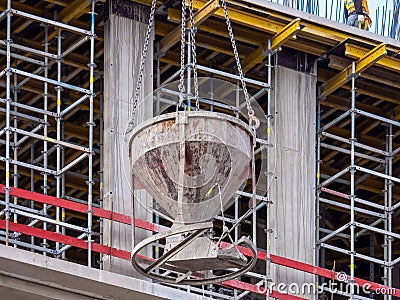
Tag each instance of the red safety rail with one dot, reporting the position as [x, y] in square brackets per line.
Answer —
[97, 212]
[236, 284]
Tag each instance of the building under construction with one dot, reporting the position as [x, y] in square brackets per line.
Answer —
[195, 149]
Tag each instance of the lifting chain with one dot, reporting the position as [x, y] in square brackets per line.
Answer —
[143, 60]
[181, 85]
[192, 38]
[193, 45]
[250, 111]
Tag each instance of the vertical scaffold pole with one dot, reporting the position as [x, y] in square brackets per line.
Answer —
[317, 260]
[388, 213]
[58, 89]
[15, 147]
[352, 178]
[390, 195]
[269, 174]
[253, 194]
[8, 129]
[91, 126]
[32, 185]
[158, 80]
[101, 172]
[45, 125]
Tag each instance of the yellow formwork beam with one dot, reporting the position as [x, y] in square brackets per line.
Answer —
[273, 21]
[207, 10]
[371, 58]
[174, 15]
[253, 59]
[285, 34]
[277, 41]
[357, 52]
[245, 18]
[362, 64]
[200, 16]
[273, 26]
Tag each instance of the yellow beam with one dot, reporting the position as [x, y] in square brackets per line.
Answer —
[244, 35]
[274, 25]
[285, 34]
[371, 58]
[172, 38]
[206, 41]
[273, 21]
[361, 65]
[378, 75]
[254, 58]
[245, 18]
[174, 15]
[356, 52]
[277, 41]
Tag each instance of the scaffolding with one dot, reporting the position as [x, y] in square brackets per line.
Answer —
[40, 220]
[27, 125]
[366, 216]
[44, 217]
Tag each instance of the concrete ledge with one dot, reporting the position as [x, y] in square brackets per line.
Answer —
[27, 275]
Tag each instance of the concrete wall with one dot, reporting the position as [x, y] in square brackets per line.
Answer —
[292, 193]
[123, 44]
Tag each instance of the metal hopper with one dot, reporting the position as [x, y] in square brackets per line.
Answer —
[191, 163]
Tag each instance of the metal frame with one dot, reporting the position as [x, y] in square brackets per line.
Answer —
[16, 137]
[382, 214]
[80, 243]
[53, 227]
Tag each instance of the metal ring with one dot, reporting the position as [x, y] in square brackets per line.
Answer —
[254, 121]
[196, 281]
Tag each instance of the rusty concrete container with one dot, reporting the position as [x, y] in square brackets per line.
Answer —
[191, 163]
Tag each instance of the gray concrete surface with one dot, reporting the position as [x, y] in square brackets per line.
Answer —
[27, 276]
[123, 46]
[292, 192]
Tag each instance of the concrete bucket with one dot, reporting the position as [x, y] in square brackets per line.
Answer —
[191, 163]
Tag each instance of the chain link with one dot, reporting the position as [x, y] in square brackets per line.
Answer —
[194, 56]
[143, 59]
[181, 85]
[238, 64]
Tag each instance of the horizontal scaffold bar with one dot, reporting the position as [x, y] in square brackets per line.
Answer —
[51, 22]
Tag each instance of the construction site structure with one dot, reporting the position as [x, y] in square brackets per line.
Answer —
[321, 203]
